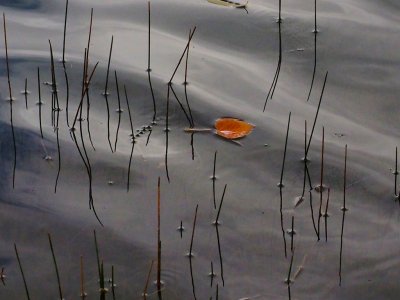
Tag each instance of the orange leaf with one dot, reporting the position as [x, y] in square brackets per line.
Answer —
[232, 128]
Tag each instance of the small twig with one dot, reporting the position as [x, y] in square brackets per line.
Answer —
[185, 83]
[22, 272]
[65, 31]
[25, 92]
[83, 293]
[190, 254]
[216, 222]
[272, 88]
[314, 67]
[147, 281]
[326, 216]
[214, 178]
[316, 115]
[119, 112]
[183, 54]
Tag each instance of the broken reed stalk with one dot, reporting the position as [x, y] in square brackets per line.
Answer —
[220, 257]
[272, 88]
[40, 103]
[83, 293]
[97, 253]
[147, 281]
[216, 293]
[26, 93]
[190, 254]
[149, 68]
[280, 184]
[344, 209]
[65, 31]
[214, 178]
[56, 268]
[321, 187]
[216, 222]
[133, 140]
[326, 216]
[185, 83]
[183, 54]
[181, 105]
[105, 93]
[22, 272]
[158, 236]
[395, 173]
[11, 101]
[166, 135]
[316, 114]
[119, 111]
[148, 136]
[57, 112]
[314, 67]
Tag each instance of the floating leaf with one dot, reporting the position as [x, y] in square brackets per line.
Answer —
[235, 3]
[232, 128]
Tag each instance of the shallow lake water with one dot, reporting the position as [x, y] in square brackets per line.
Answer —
[233, 58]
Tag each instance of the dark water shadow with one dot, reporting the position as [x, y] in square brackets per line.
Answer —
[21, 4]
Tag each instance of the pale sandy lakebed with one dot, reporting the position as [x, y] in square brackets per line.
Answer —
[233, 57]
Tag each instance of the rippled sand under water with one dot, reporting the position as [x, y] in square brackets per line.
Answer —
[232, 61]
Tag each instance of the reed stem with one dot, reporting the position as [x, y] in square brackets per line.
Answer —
[344, 209]
[22, 272]
[56, 268]
[11, 102]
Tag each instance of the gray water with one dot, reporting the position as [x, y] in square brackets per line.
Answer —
[232, 61]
